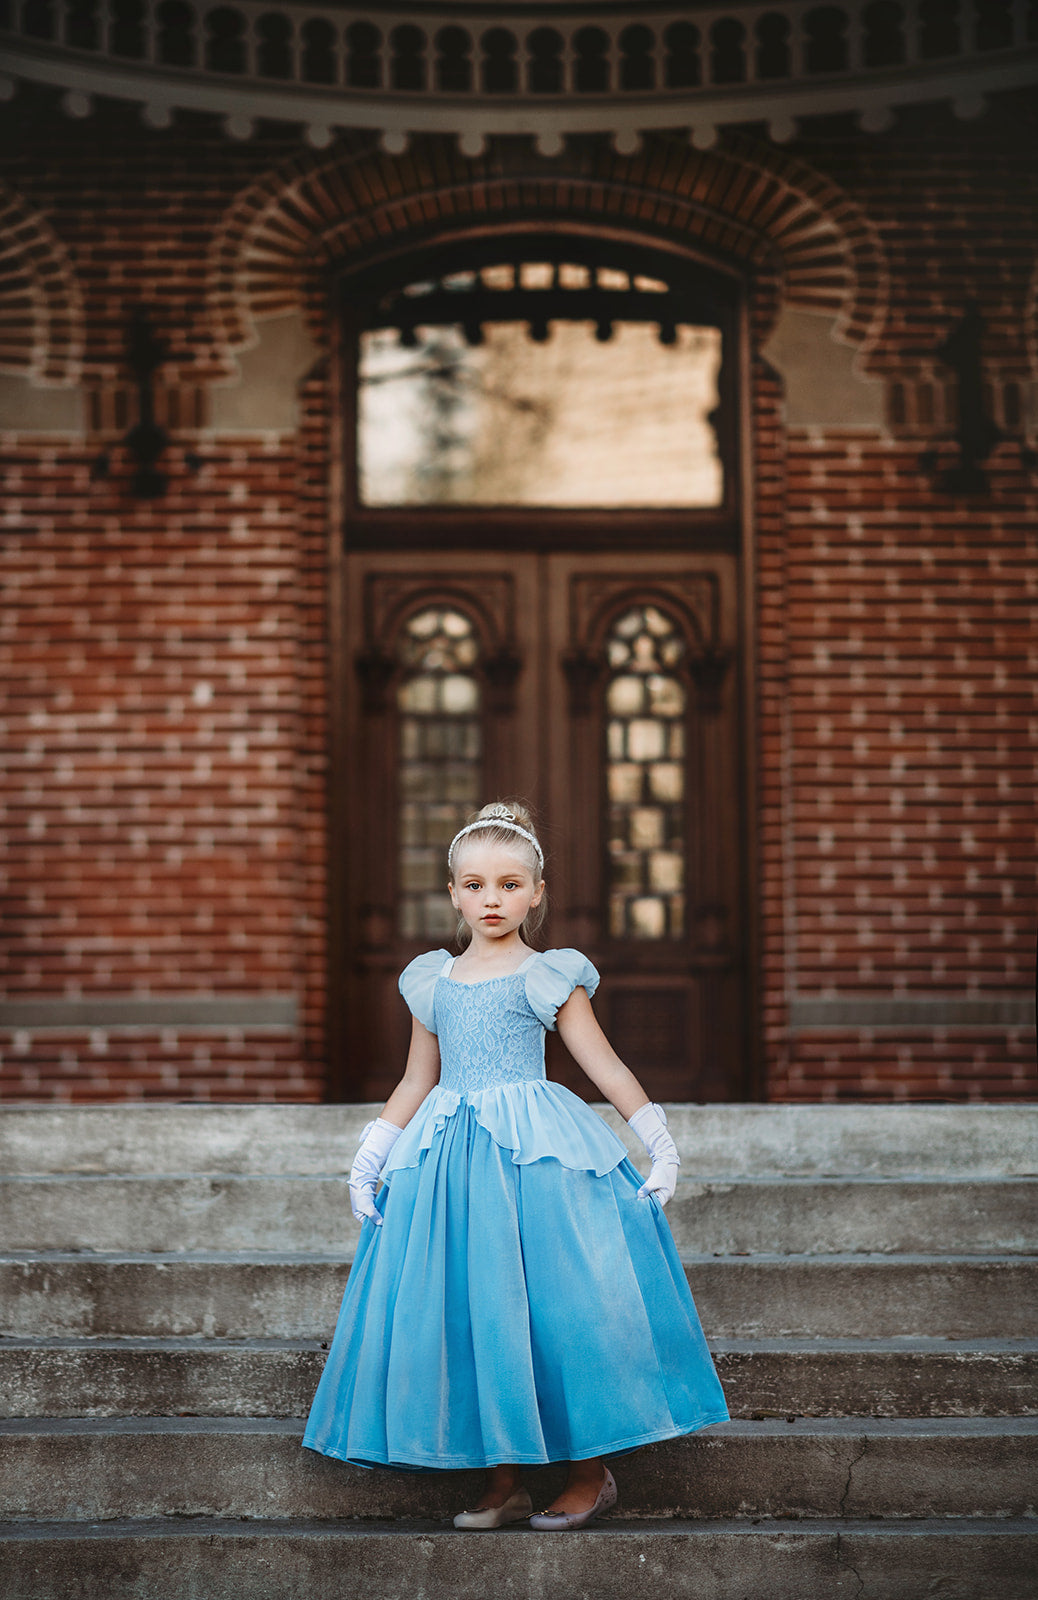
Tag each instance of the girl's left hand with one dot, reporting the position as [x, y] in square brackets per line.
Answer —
[662, 1181]
[650, 1124]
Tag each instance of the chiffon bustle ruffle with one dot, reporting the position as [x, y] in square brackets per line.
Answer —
[513, 1307]
[533, 1120]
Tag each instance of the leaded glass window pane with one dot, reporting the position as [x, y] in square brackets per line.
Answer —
[440, 751]
[645, 776]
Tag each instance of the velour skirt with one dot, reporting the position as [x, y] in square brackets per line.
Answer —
[511, 1312]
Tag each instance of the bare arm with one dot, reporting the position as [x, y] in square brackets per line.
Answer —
[421, 1074]
[591, 1050]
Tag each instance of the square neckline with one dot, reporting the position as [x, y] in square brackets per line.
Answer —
[459, 983]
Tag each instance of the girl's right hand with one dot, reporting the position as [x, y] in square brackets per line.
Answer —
[376, 1141]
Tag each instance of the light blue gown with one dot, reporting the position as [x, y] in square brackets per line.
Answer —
[519, 1303]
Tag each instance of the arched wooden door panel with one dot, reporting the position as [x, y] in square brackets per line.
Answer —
[603, 689]
[643, 770]
[440, 707]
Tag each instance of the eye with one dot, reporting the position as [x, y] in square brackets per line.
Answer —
[511, 884]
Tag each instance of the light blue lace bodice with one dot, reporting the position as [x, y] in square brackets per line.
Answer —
[491, 1038]
[489, 1034]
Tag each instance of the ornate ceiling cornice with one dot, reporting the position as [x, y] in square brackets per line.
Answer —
[548, 71]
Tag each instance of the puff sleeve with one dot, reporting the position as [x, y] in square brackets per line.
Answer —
[418, 983]
[552, 978]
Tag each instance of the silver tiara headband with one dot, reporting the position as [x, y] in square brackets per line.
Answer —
[496, 822]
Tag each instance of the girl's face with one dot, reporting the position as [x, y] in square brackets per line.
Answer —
[493, 889]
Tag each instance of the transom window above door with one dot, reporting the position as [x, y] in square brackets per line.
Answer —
[549, 373]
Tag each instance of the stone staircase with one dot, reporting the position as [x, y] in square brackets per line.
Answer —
[170, 1275]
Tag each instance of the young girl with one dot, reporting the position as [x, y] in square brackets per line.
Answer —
[516, 1296]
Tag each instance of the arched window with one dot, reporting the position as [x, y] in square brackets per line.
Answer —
[439, 758]
[646, 703]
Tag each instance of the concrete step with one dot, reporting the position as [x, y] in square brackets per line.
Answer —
[217, 1559]
[277, 1377]
[91, 1469]
[171, 1271]
[225, 1211]
[748, 1140]
[238, 1296]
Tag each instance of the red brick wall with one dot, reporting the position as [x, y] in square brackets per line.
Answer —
[165, 663]
[910, 694]
[912, 670]
[162, 668]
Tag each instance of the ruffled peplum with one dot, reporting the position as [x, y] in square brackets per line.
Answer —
[534, 1121]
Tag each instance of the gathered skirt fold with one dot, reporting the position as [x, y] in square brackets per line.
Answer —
[511, 1312]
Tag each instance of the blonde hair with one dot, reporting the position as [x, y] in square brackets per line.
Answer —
[490, 828]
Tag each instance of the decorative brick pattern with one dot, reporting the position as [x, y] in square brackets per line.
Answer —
[954, 206]
[747, 200]
[41, 311]
[133, 211]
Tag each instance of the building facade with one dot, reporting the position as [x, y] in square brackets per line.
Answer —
[634, 413]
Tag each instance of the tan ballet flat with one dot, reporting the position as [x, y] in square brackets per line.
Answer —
[561, 1521]
[516, 1508]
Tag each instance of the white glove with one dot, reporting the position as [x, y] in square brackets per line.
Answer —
[376, 1141]
[650, 1124]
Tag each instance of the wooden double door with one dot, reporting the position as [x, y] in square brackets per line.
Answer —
[603, 689]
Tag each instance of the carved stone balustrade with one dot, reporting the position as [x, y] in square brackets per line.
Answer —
[622, 70]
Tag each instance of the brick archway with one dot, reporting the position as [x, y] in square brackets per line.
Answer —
[746, 201]
[41, 308]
